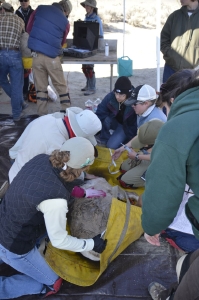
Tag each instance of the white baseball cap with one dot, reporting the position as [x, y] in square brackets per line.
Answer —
[81, 152]
[85, 124]
[141, 93]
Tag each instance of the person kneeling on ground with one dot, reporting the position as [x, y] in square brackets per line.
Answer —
[52, 131]
[37, 201]
[137, 163]
[116, 117]
[143, 101]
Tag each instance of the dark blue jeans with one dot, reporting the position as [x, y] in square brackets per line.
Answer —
[168, 71]
[11, 64]
[112, 141]
[186, 242]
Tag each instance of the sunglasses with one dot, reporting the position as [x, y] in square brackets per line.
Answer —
[138, 102]
[23, 0]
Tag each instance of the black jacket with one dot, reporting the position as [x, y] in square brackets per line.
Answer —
[20, 221]
[19, 12]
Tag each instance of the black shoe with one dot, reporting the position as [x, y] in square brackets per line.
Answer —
[89, 92]
[84, 89]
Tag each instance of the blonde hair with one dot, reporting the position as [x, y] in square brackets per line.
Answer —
[58, 160]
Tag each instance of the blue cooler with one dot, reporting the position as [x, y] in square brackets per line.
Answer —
[124, 66]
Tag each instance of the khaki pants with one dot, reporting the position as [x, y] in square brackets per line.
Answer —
[44, 66]
[134, 172]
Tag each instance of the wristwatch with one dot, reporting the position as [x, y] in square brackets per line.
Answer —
[137, 157]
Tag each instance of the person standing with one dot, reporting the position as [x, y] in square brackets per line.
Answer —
[11, 29]
[24, 11]
[48, 27]
[180, 39]
[88, 70]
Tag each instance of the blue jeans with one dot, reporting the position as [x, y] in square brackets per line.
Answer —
[11, 64]
[112, 141]
[168, 71]
[36, 274]
[186, 242]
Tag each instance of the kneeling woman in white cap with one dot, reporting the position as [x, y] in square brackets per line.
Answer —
[36, 201]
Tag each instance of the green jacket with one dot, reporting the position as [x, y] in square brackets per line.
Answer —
[174, 162]
[180, 39]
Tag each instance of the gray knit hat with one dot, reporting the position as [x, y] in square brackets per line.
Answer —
[92, 3]
[66, 5]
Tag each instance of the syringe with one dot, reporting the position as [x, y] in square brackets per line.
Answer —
[126, 148]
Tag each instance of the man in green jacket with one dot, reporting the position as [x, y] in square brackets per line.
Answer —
[180, 39]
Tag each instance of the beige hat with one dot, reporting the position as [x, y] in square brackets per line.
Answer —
[81, 152]
[85, 124]
[66, 5]
[92, 3]
[147, 134]
[6, 5]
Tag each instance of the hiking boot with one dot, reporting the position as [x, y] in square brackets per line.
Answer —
[84, 89]
[89, 92]
[155, 289]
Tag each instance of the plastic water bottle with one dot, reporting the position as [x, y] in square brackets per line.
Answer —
[106, 50]
[89, 104]
[95, 104]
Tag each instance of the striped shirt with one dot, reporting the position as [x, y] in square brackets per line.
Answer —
[11, 28]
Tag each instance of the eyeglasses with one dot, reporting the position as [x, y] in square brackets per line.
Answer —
[23, 0]
[138, 102]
